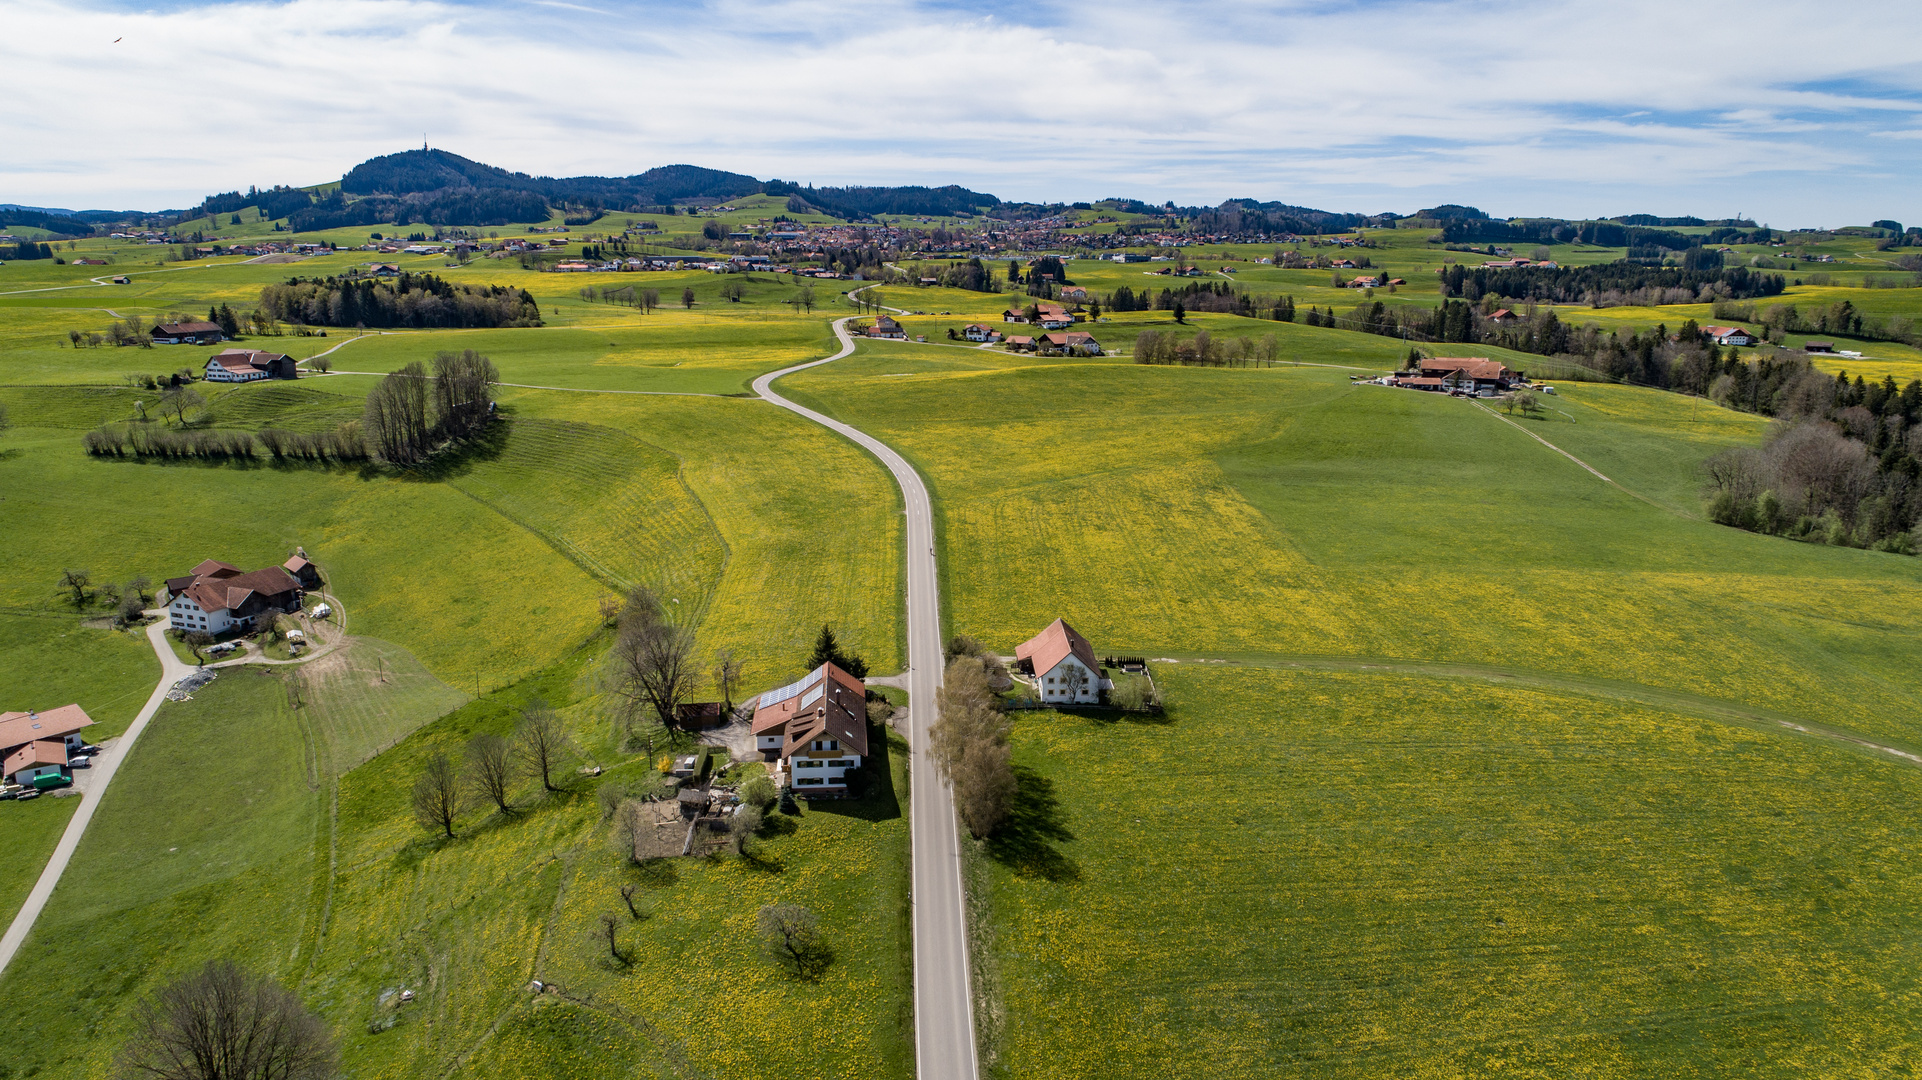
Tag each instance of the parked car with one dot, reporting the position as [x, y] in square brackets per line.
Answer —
[321, 611]
[48, 783]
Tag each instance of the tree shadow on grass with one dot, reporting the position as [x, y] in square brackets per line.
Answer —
[876, 800]
[1103, 715]
[458, 459]
[1025, 842]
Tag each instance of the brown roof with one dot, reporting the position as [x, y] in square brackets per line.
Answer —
[171, 329]
[294, 564]
[1053, 645]
[825, 703]
[44, 752]
[1474, 367]
[21, 728]
[226, 592]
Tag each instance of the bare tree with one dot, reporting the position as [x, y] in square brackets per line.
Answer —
[727, 677]
[141, 586]
[437, 795]
[792, 936]
[653, 659]
[463, 392]
[224, 1023]
[542, 741]
[650, 299]
[80, 582]
[395, 420]
[970, 743]
[609, 931]
[628, 890]
[490, 769]
[181, 400]
[610, 606]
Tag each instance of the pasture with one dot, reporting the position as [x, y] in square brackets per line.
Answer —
[1337, 873]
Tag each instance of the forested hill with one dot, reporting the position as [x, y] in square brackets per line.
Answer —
[415, 172]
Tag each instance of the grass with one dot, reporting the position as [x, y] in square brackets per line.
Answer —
[297, 814]
[1337, 874]
[33, 830]
[1211, 513]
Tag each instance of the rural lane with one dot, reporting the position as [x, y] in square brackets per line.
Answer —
[172, 670]
[943, 1015]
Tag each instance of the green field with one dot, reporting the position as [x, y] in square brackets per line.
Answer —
[1476, 763]
[1360, 874]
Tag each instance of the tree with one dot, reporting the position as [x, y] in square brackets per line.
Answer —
[759, 792]
[437, 795]
[1181, 313]
[727, 677]
[650, 299]
[463, 392]
[141, 586]
[733, 291]
[225, 1023]
[609, 931]
[197, 640]
[181, 400]
[322, 364]
[80, 582]
[628, 889]
[687, 297]
[792, 936]
[971, 747]
[490, 769]
[395, 419]
[744, 825]
[653, 659]
[542, 742]
[130, 608]
[827, 650]
[806, 296]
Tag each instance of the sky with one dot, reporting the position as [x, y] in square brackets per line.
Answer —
[1793, 113]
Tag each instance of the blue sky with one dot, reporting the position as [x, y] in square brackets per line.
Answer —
[1792, 113]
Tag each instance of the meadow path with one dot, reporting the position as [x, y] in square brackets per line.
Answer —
[943, 1015]
[172, 670]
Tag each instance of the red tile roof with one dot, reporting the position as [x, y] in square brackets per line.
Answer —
[223, 591]
[1053, 645]
[825, 703]
[21, 728]
[44, 752]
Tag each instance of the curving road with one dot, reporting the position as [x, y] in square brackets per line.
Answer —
[172, 670]
[943, 1016]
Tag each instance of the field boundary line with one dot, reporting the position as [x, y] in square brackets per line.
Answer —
[1592, 470]
[1719, 710]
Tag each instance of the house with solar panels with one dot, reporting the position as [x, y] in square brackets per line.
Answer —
[814, 730]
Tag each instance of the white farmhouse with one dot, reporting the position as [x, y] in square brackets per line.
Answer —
[1063, 665]
[816, 728]
[217, 596]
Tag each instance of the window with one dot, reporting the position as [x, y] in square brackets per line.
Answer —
[809, 781]
[806, 763]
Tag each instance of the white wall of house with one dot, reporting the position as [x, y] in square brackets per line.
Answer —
[26, 776]
[184, 614]
[1056, 685]
[821, 764]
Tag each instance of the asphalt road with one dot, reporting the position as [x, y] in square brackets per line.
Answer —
[943, 1016]
[104, 767]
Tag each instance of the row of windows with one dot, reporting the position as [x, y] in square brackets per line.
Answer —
[814, 763]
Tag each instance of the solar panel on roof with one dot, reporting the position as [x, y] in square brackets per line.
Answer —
[814, 695]
[775, 697]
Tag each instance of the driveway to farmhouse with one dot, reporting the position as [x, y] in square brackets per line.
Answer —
[172, 670]
[943, 1016]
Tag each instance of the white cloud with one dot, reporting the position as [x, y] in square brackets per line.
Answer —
[1354, 106]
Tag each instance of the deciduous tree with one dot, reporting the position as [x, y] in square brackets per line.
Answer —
[653, 659]
[225, 1023]
[970, 743]
[490, 769]
[542, 742]
[437, 795]
[792, 936]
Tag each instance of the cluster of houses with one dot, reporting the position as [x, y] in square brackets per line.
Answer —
[216, 597]
[39, 749]
[1473, 376]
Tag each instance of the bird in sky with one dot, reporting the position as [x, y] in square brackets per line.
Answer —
[116, 41]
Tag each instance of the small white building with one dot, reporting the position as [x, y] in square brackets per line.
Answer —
[816, 728]
[1064, 666]
[35, 744]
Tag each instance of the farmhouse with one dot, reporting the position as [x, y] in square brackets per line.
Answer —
[1074, 342]
[1019, 343]
[186, 333]
[304, 571]
[1729, 335]
[249, 365]
[1818, 346]
[36, 744]
[1477, 372]
[217, 596]
[886, 327]
[816, 728]
[979, 332]
[1063, 665]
